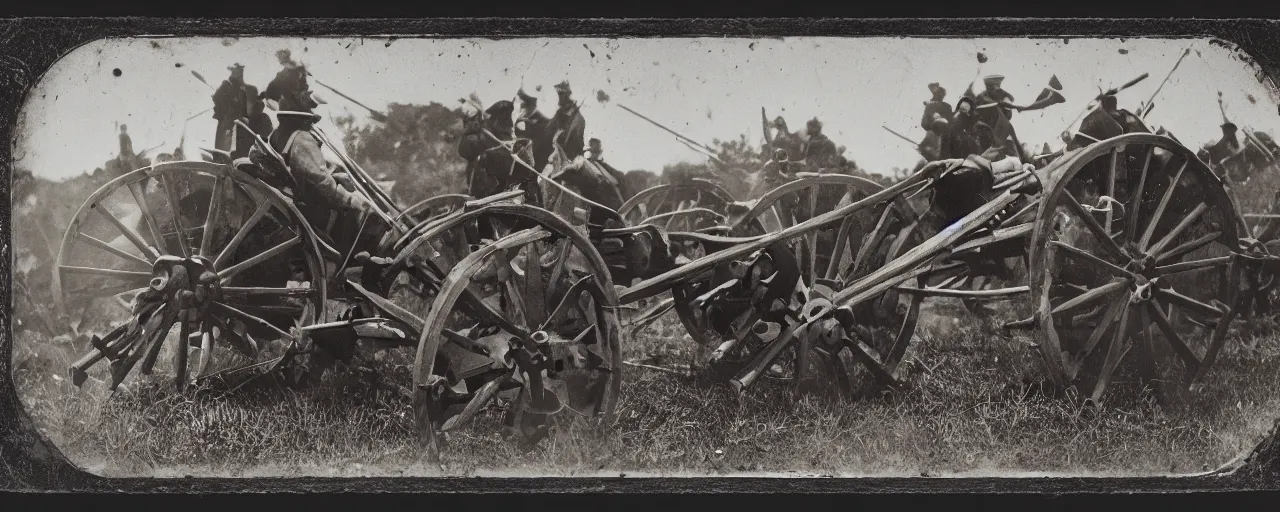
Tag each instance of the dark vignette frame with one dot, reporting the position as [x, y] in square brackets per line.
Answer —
[29, 47]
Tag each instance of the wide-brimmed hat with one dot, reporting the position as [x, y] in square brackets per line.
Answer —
[993, 79]
[563, 87]
[235, 67]
[1229, 126]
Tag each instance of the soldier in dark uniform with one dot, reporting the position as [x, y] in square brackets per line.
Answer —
[533, 125]
[994, 94]
[230, 103]
[1225, 156]
[937, 117]
[819, 151]
[966, 134]
[488, 165]
[491, 168]
[568, 125]
[126, 143]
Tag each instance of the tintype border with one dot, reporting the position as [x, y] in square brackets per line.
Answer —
[30, 46]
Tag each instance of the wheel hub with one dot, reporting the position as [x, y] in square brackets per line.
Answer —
[188, 284]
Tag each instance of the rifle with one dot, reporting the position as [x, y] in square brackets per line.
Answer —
[706, 149]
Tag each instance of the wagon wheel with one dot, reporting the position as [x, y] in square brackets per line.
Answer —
[1156, 265]
[238, 268]
[434, 207]
[825, 260]
[483, 296]
[685, 206]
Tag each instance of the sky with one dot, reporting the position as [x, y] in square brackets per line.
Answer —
[705, 88]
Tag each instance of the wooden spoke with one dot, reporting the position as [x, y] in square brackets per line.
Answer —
[234, 270]
[879, 233]
[180, 355]
[1115, 352]
[1177, 230]
[811, 238]
[1111, 185]
[1013, 219]
[1110, 267]
[1131, 228]
[1170, 295]
[112, 249]
[243, 293]
[129, 233]
[1112, 314]
[1164, 203]
[239, 236]
[1091, 296]
[1147, 357]
[567, 301]
[1102, 235]
[838, 250]
[248, 318]
[130, 274]
[1189, 266]
[1171, 336]
[276, 309]
[175, 208]
[1189, 247]
[214, 212]
[206, 351]
[871, 360]
[139, 197]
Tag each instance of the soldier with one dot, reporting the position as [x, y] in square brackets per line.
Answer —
[568, 125]
[995, 94]
[492, 169]
[937, 113]
[966, 135]
[533, 125]
[259, 121]
[1224, 156]
[819, 151]
[302, 150]
[230, 103]
[485, 176]
[126, 143]
[785, 140]
[595, 180]
[595, 155]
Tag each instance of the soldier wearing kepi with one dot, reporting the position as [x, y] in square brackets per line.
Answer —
[534, 125]
[568, 125]
[230, 104]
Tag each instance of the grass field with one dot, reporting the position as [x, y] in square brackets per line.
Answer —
[971, 408]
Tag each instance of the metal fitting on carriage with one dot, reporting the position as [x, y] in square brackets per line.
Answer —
[816, 308]
[1142, 292]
